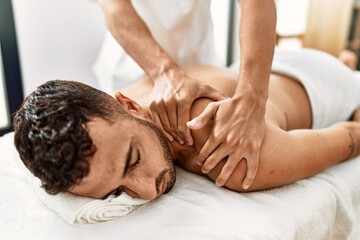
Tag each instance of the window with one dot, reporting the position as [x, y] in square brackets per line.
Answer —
[11, 93]
[4, 112]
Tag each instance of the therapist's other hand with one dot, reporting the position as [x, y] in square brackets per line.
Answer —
[171, 100]
[238, 132]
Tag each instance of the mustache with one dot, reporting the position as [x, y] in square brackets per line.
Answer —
[159, 179]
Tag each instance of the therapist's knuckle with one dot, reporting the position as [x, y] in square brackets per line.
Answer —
[153, 106]
[243, 142]
[253, 169]
[216, 136]
[254, 145]
[230, 138]
[181, 97]
[202, 157]
[211, 161]
[209, 164]
[181, 128]
[229, 167]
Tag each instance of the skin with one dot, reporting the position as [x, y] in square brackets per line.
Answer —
[290, 150]
[174, 91]
[349, 58]
[149, 175]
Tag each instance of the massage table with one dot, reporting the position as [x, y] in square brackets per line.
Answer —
[326, 206]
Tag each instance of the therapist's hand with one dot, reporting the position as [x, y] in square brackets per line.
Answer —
[238, 132]
[171, 100]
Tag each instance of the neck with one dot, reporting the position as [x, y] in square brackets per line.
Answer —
[176, 149]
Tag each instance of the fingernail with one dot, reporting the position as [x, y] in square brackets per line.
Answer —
[246, 186]
[192, 123]
[198, 163]
[218, 184]
[181, 142]
[190, 143]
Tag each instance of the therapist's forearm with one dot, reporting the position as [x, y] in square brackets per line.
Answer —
[135, 37]
[257, 42]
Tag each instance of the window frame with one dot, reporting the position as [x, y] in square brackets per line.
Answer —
[11, 64]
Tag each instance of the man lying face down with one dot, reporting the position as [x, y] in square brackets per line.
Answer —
[69, 132]
[81, 140]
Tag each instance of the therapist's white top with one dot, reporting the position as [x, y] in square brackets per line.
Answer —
[183, 28]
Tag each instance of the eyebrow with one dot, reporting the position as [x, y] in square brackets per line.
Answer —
[128, 159]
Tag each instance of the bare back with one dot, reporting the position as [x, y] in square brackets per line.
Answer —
[288, 105]
[290, 150]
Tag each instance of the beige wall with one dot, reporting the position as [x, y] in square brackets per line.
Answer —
[328, 25]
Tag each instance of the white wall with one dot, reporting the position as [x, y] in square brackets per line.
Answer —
[60, 39]
[57, 39]
[220, 17]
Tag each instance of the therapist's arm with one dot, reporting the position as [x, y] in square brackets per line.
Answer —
[239, 122]
[131, 32]
[174, 91]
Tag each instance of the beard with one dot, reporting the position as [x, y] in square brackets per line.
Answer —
[167, 155]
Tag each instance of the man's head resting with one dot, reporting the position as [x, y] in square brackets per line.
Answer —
[78, 139]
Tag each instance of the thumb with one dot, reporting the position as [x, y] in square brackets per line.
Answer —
[201, 120]
[214, 94]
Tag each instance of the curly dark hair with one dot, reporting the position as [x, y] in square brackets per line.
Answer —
[51, 132]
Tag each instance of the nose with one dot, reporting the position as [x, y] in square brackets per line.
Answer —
[144, 189]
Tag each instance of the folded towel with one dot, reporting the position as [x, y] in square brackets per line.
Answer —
[81, 210]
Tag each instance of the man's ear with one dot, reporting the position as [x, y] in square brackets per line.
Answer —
[128, 104]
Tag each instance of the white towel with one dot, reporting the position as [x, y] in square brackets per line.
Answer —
[81, 210]
[326, 206]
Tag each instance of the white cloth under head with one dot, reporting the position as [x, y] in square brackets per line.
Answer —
[81, 210]
[332, 88]
[182, 28]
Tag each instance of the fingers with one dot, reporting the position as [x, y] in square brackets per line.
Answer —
[183, 117]
[229, 167]
[231, 162]
[252, 168]
[220, 153]
[204, 117]
[165, 116]
[172, 113]
[214, 152]
[172, 100]
[206, 150]
[158, 122]
[214, 158]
